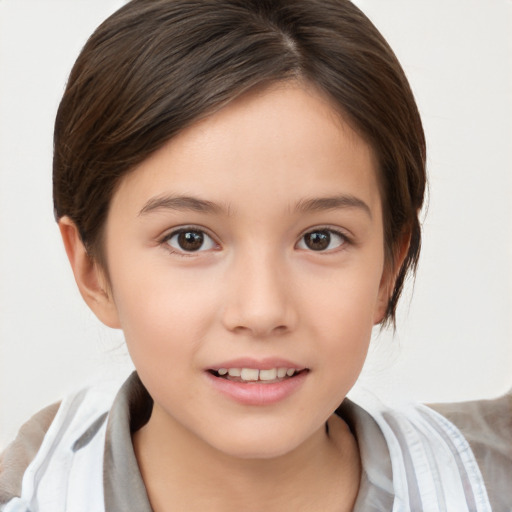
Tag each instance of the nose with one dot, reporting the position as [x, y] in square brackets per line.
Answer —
[259, 301]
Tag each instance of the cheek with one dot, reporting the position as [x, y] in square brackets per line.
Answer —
[346, 297]
[162, 312]
[345, 330]
[342, 310]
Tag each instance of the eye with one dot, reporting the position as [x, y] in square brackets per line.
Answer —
[322, 240]
[189, 240]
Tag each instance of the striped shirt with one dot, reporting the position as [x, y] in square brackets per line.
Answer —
[402, 464]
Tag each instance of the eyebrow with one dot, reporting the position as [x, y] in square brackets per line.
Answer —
[181, 203]
[332, 203]
[189, 203]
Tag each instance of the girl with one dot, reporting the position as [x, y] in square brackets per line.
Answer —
[237, 185]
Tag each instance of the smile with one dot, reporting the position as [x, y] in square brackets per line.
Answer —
[255, 375]
[257, 387]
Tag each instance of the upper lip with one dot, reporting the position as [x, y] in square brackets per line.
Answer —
[258, 364]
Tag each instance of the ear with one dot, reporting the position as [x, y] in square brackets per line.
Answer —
[389, 275]
[89, 276]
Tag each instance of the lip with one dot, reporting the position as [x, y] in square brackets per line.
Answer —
[257, 364]
[257, 393]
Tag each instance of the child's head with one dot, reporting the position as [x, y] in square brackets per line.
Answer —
[157, 67]
[238, 184]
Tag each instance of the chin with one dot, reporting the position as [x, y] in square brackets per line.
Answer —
[257, 451]
[263, 443]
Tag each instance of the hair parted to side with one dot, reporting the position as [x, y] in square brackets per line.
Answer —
[156, 66]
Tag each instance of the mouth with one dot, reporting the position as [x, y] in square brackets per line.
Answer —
[266, 376]
[257, 383]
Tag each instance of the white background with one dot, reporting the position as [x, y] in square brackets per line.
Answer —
[454, 336]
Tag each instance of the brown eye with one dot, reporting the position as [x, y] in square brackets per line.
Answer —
[318, 240]
[190, 240]
[321, 240]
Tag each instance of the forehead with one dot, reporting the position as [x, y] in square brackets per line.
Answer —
[286, 142]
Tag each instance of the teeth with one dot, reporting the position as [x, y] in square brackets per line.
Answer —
[253, 374]
[249, 374]
[268, 374]
[281, 372]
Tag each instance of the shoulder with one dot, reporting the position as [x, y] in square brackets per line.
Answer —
[487, 426]
[51, 438]
[20, 453]
[430, 458]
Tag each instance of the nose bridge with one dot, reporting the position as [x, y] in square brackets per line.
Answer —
[259, 298]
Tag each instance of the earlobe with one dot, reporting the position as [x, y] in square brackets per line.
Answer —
[385, 291]
[89, 277]
[389, 278]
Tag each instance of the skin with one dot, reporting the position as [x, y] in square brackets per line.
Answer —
[256, 289]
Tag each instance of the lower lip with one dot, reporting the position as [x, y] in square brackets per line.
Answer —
[257, 393]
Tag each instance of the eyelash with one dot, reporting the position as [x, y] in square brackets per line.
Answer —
[187, 229]
[345, 240]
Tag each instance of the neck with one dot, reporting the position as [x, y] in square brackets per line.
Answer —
[183, 471]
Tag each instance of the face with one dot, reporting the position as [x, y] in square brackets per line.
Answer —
[246, 266]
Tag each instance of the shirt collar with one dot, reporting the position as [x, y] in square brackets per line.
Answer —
[124, 488]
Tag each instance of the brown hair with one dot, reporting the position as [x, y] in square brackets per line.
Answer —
[156, 66]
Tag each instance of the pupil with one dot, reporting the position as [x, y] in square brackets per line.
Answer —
[190, 240]
[318, 240]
